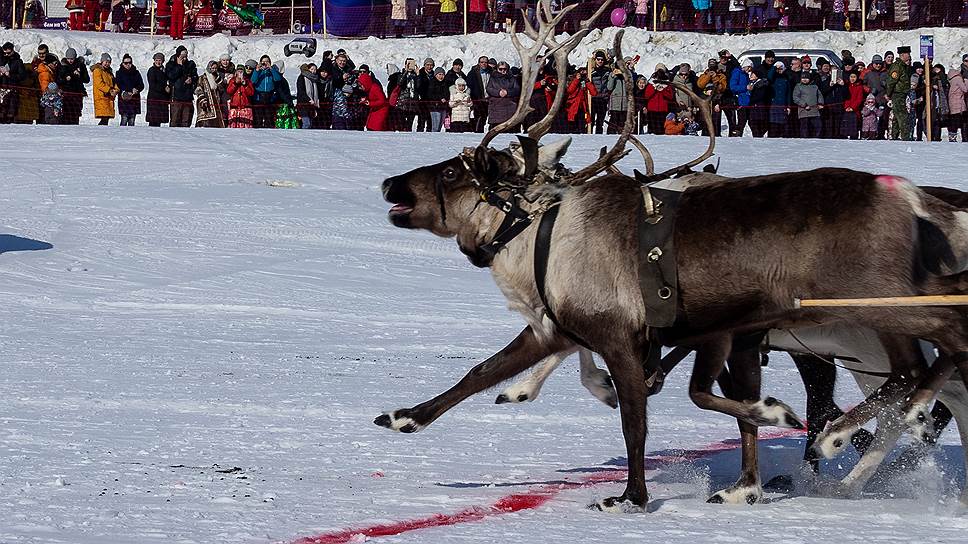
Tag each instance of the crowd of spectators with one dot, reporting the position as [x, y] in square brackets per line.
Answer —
[887, 98]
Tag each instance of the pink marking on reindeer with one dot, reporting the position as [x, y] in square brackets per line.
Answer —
[891, 182]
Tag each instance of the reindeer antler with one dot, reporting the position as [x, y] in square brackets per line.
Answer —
[530, 63]
[607, 160]
[707, 113]
[561, 52]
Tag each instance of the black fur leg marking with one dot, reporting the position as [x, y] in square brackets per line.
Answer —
[502, 399]
[862, 440]
[716, 499]
[383, 420]
[769, 401]
[793, 423]
[751, 499]
[522, 397]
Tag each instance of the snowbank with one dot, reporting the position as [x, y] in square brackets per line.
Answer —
[667, 47]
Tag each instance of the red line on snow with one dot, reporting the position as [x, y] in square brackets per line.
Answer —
[529, 500]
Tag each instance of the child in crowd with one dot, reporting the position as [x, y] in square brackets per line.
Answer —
[53, 104]
[871, 116]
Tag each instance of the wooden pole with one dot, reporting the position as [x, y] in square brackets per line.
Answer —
[13, 15]
[325, 32]
[655, 15]
[863, 15]
[588, 111]
[153, 2]
[292, 16]
[918, 300]
[465, 17]
[927, 98]
[312, 27]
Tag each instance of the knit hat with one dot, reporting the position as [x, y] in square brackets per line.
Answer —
[105, 57]
[280, 65]
[779, 64]
[159, 56]
[70, 53]
[439, 70]
[964, 58]
[888, 54]
[251, 64]
[877, 59]
[806, 58]
[126, 57]
[457, 62]
[671, 117]
[917, 65]
[52, 87]
[460, 81]
[870, 98]
[769, 54]
[429, 60]
[746, 63]
[600, 55]
[225, 56]
[849, 61]
[492, 61]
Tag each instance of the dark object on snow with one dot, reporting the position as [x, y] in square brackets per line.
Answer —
[306, 46]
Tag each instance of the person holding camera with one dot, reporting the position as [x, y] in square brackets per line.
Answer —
[576, 99]
[264, 80]
[182, 79]
[240, 92]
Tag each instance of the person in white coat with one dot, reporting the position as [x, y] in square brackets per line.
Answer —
[460, 107]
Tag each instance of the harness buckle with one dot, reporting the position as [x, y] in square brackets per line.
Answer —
[654, 254]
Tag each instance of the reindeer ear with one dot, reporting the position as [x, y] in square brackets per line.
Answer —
[550, 155]
[484, 167]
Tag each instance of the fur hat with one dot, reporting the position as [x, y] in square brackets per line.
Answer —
[105, 57]
[70, 53]
[903, 49]
[460, 81]
[747, 63]
[779, 65]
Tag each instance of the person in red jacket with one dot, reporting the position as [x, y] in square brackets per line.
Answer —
[377, 100]
[239, 92]
[850, 124]
[658, 96]
[176, 29]
[576, 100]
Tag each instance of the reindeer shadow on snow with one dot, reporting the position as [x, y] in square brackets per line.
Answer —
[600, 262]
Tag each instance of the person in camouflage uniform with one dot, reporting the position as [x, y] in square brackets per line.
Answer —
[898, 85]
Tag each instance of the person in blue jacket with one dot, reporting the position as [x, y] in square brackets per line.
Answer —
[779, 79]
[739, 83]
[264, 79]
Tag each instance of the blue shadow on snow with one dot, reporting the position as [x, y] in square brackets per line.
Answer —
[9, 242]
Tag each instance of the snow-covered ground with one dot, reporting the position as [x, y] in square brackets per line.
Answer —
[197, 328]
[670, 48]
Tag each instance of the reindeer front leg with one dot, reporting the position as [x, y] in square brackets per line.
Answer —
[522, 353]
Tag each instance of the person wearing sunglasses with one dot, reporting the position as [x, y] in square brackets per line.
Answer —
[131, 84]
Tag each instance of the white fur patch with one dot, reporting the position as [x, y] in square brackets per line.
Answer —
[775, 415]
[740, 494]
[623, 507]
[397, 423]
[831, 441]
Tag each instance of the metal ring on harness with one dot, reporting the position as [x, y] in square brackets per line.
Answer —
[664, 293]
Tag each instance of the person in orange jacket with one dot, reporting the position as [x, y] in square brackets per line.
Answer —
[580, 88]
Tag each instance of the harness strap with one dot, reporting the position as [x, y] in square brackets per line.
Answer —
[542, 247]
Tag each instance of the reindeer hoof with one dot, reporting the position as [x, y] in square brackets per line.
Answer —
[617, 505]
[831, 441]
[600, 385]
[398, 421]
[748, 494]
[771, 412]
[919, 421]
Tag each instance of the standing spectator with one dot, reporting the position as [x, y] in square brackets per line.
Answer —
[477, 17]
[449, 18]
[850, 125]
[226, 71]
[28, 103]
[75, 18]
[827, 86]
[704, 14]
[713, 84]
[423, 87]
[240, 91]
[642, 13]
[687, 77]
[476, 84]
[659, 96]
[456, 72]
[408, 97]
[760, 102]
[130, 84]
[53, 104]
[918, 102]
[739, 82]
[308, 93]
[618, 102]
[875, 80]
[159, 93]
[210, 88]
[264, 80]
[809, 101]
[324, 119]
[870, 119]
[782, 95]
[182, 79]
[503, 91]
[104, 89]
[11, 72]
[47, 74]
[940, 112]
[958, 101]
[398, 17]
[438, 96]
[578, 91]
[898, 85]
[377, 101]
[460, 107]
[599, 78]
[342, 114]
[285, 113]
[641, 105]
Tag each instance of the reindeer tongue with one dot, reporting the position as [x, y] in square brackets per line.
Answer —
[400, 208]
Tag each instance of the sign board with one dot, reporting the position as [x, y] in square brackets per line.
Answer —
[927, 47]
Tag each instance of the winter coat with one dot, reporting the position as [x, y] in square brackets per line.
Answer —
[460, 105]
[379, 107]
[44, 77]
[15, 70]
[448, 6]
[438, 93]
[477, 81]
[658, 99]
[408, 97]
[71, 78]
[599, 78]
[617, 100]
[957, 92]
[265, 79]
[283, 93]
[129, 80]
[577, 97]
[782, 95]
[309, 93]
[182, 78]
[761, 96]
[159, 96]
[702, 4]
[870, 115]
[104, 91]
[398, 11]
[240, 93]
[876, 83]
[28, 107]
[718, 80]
[673, 127]
[642, 6]
[500, 109]
[807, 96]
[478, 6]
[737, 83]
[855, 99]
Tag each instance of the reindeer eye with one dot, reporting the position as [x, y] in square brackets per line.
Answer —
[450, 174]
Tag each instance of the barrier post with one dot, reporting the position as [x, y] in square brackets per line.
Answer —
[13, 15]
[863, 15]
[153, 3]
[927, 100]
[325, 32]
[312, 28]
[655, 15]
[292, 16]
[465, 17]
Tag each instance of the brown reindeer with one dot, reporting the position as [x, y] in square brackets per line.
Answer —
[747, 248]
